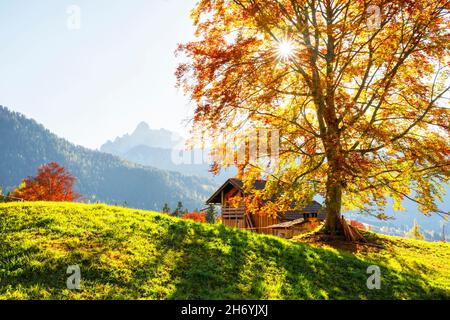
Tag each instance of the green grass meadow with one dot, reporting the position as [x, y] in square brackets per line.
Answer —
[133, 254]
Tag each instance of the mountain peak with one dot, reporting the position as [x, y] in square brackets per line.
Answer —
[142, 127]
[142, 135]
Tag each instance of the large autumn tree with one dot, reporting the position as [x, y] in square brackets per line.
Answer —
[52, 183]
[355, 88]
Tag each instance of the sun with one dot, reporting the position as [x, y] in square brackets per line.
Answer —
[285, 49]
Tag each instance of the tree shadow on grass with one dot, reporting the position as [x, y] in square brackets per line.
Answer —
[193, 261]
[278, 269]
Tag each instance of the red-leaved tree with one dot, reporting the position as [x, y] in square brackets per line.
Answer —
[358, 225]
[52, 183]
[196, 216]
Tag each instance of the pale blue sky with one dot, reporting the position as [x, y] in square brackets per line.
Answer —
[93, 84]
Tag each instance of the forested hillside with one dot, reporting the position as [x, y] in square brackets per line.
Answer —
[25, 145]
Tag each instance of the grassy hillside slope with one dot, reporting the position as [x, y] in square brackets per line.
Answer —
[131, 254]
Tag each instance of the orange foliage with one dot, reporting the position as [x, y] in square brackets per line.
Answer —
[358, 96]
[52, 183]
[196, 216]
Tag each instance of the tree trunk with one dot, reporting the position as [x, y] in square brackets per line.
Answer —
[333, 203]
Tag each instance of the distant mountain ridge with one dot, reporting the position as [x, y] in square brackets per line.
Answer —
[25, 145]
[142, 135]
[163, 149]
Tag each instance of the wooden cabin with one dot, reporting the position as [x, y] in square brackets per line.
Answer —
[286, 224]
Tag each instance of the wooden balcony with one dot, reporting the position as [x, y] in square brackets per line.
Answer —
[233, 213]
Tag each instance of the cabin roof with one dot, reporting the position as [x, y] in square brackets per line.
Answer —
[230, 184]
[313, 207]
[287, 224]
